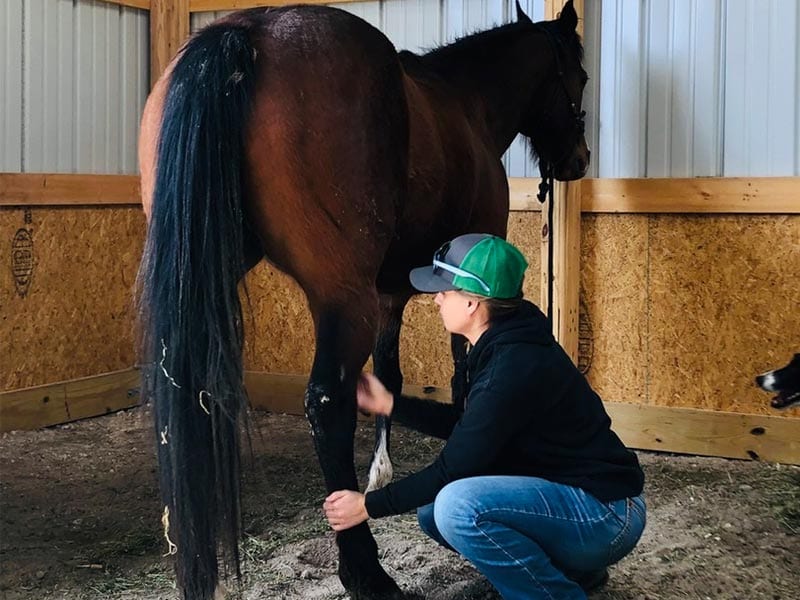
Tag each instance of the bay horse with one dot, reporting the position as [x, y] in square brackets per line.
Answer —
[300, 135]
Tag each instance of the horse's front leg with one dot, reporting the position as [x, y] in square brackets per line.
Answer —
[344, 336]
[386, 363]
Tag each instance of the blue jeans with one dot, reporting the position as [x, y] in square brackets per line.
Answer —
[525, 534]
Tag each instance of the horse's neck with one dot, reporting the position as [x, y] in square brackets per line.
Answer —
[496, 91]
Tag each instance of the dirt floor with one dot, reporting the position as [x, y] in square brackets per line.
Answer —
[80, 519]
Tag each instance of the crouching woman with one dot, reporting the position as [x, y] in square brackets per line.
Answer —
[532, 486]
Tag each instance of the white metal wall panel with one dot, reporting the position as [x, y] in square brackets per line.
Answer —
[11, 86]
[761, 87]
[683, 91]
[200, 20]
[412, 24]
[591, 93]
[699, 88]
[369, 11]
[83, 79]
[621, 146]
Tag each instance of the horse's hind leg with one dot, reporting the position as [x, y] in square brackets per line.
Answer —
[344, 336]
[386, 363]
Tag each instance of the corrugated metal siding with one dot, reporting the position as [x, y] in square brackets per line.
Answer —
[761, 87]
[80, 71]
[11, 86]
[591, 93]
[698, 88]
[419, 25]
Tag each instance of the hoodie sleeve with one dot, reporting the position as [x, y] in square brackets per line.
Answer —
[489, 421]
[432, 418]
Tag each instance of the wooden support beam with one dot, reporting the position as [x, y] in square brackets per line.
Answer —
[53, 404]
[57, 189]
[666, 429]
[567, 264]
[563, 241]
[169, 27]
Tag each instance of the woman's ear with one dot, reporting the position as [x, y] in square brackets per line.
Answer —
[472, 305]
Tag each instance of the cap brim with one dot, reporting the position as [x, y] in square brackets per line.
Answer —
[424, 280]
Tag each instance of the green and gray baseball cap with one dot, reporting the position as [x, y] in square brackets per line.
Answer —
[478, 263]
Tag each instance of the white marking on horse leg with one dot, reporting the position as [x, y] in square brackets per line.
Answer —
[341, 373]
[380, 472]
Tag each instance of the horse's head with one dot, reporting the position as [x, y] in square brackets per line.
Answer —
[554, 121]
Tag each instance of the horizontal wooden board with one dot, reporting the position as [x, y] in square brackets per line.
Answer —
[707, 432]
[66, 401]
[143, 4]
[757, 195]
[666, 429]
[58, 189]
[764, 195]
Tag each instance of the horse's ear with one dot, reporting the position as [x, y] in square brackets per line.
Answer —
[568, 19]
[521, 16]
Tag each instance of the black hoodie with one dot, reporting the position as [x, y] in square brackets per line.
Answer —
[529, 411]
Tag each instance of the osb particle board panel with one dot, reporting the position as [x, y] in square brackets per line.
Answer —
[724, 306]
[284, 342]
[74, 318]
[614, 294]
[278, 313]
[686, 310]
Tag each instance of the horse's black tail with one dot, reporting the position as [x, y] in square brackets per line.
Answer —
[190, 313]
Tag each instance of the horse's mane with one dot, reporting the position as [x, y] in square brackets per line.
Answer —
[480, 48]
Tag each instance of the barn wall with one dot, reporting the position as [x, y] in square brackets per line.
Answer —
[75, 318]
[698, 88]
[676, 310]
[686, 310]
[74, 78]
[681, 311]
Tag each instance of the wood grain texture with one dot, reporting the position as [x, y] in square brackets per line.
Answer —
[66, 401]
[143, 4]
[77, 317]
[57, 189]
[755, 195]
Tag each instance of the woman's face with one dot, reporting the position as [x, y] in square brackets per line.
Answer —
[454, 308]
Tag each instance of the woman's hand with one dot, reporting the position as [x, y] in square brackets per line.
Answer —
[372, 396]
[345, 509]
